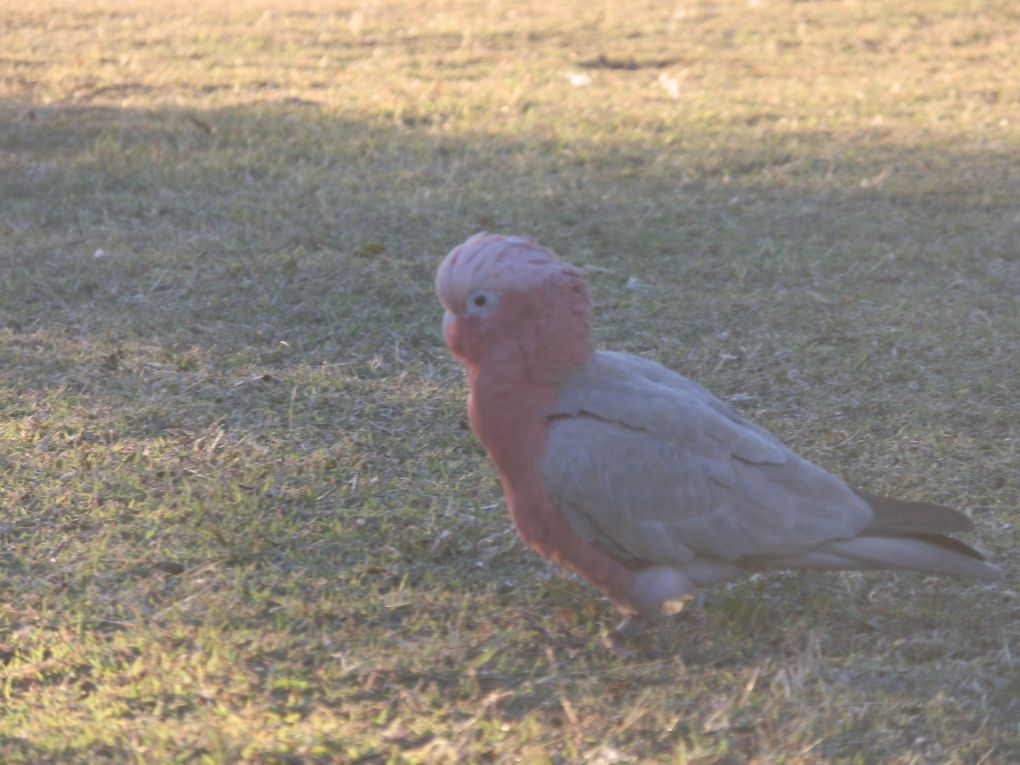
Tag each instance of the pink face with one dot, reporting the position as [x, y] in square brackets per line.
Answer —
[483, 322]
[514, 306]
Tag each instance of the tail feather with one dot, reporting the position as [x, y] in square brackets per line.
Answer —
[899, 516]
[904, 535]
[938, 555]
[951, 544]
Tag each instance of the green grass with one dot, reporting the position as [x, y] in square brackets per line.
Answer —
[241, 519]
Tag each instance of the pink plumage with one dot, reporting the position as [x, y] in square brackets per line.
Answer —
[636, 478]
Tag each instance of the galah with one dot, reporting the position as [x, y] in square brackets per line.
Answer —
[636, 478]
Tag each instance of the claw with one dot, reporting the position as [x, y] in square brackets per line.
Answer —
[631, 627]
[616, 640]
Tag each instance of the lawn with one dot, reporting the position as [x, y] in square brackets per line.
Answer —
[241, 517]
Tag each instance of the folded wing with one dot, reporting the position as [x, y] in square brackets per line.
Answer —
[656, 469]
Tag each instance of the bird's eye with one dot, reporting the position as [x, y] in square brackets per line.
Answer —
[480, 302]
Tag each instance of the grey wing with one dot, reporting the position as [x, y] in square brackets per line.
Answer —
[654, 468]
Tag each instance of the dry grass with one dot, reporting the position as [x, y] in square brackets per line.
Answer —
[242, 521]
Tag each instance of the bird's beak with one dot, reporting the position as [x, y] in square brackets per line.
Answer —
[447, 321]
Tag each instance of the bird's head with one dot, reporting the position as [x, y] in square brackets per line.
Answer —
[514, 308]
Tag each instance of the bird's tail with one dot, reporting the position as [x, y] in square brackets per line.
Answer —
[917, 533]
[904, 535]
[928, 553]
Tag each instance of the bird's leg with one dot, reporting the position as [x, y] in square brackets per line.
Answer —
[616, 640]
[632, 626]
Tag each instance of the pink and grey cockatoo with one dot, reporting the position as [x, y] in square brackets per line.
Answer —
[637, 479]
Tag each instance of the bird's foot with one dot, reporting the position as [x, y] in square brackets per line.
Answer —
[631, 627]
[616, 640]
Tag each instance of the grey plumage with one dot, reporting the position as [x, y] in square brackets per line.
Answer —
[658, 471]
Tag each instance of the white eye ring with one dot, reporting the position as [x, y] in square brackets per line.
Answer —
[480, 302]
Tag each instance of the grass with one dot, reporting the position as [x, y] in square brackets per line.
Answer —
[242, 520]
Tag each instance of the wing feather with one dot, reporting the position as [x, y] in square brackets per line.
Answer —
[655, 468]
